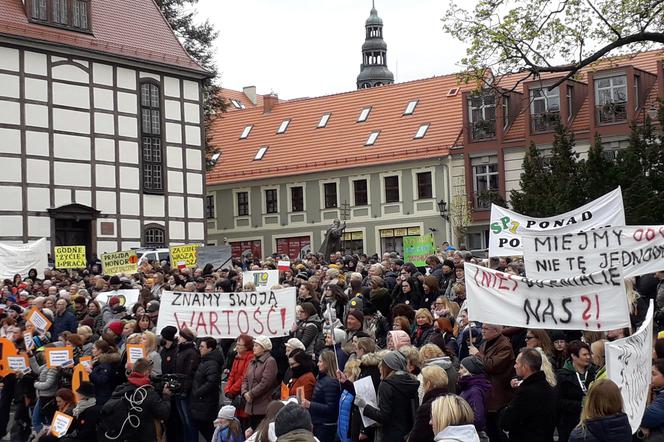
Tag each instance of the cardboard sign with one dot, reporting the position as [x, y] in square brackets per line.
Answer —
[628, 364]
[135, 352]
[227, 315]
[417, 249]
[637, 249]
[29, 342]
[596, 301]
[506, 226]
[80, 375]
[86, 361]
[184, 255]
[119, 262]
[127, 297]
[18, 363]
[364, 388]
[59, 356]
[262, 279]
[36, 318]
[60, 424]
[70, 257]
[218, 256]
[20, 258]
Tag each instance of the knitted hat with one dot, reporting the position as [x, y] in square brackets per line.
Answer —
[291, 417]
[473, 364]
[116, 327]
[168, 333]
[295, 343]
[86, 389]
[357, 314]
[557, 335]
[153, 306]
[114, 300]
[226, 412]
[16, 308]
[303, 275]
[188, 334]
[357, 303]
[115, 280]
[395, 360]
[264, 342]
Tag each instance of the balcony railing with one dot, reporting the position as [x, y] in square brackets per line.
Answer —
[483, 129]
[545, 122]
[483, 200]
[611, 112]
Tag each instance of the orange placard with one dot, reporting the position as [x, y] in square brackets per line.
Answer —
[86, 361]
[7, 349]
[285, 392]
[80, 375]
[18, 363]
[59, 356]
[36, 318]
[135, 352]
[60, 424]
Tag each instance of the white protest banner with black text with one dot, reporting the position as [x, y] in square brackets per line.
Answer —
[628, 364]
[506, 226]
[227, 315]
[637, 249]
[586, 302]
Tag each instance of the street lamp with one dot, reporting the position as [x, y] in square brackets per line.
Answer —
[442, 208]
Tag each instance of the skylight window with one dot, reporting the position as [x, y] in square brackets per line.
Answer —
[372, 138]
[422, 131]
[364, 114]
[283, 126]
[410, 108]
[323, 120]
[214, 159]
[235, 103]
[245, 132]
[261, 153]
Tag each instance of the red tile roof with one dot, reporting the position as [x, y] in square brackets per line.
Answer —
[133, 29]
[304, 148]
[241, 97]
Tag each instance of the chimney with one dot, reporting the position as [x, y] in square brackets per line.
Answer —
[250, 92]
[269, 101]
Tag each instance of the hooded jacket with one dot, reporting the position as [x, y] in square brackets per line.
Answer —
[204, 399]
[397, 399]
[422, 431]
[531, 416]
[399, 338]
[475, 389]
[104, 376]
[451, 369]
[186, 363]
[614, 428]
[570, 397]
[458, 433]
[308, 331]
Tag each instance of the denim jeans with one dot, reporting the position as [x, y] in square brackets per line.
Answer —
[36, 417]
[189, 429]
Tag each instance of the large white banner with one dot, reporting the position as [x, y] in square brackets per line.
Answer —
[227, 315]
[263, 280]
[637, 249]
[20, 258]
[506, 226]
[594, 302]
[628, 364]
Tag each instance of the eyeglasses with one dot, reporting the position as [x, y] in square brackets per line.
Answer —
[528, 338]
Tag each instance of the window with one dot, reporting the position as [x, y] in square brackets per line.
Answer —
[364, 114]
[154, 236]
[271, 204]
[410, 107]
[570, 102]
[297, 199]
[421, 131]
[39, 10]
[151, 146]
[283, 126]
[237, 104]
[209, 206]
[323, 120]
[68, 13]
[424, 188]
[482, 115]
[372, 138]
[611, 99]
[60, 13]
[485, 180]
[261, 153]
[330, 195]
[246, 131]
[243, 204]
[360, 192]
[544, 109]
[80, 14]
[392, 189]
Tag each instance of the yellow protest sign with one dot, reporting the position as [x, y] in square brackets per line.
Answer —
[184, 256]
[70, 257]
[119, 262]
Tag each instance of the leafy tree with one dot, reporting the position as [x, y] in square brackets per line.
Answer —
[566, 177]
[599, 173]
[536, 36]
[534, 197]
[198, 40]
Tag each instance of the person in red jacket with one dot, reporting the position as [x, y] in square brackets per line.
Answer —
[245, 353]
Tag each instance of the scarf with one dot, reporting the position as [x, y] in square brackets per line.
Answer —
[84, 404]
[138, 380]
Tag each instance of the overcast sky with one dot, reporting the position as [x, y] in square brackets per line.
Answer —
[307, 48]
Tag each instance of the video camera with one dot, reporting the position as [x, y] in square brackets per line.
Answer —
[173, 381]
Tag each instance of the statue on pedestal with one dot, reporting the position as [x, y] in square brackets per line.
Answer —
[332, 242]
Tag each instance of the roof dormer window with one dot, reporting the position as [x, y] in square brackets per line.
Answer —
[283, 126]
[245, 131]
[71, 14]
[410, 108]
[323, 120]
[261, 153]
[364, 114]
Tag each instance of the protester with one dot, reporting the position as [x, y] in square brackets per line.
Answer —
[105, 371]
[204, 401]
[324, 404]
[602, 417]
[186, 364]
[652, 424]
[452, 420]
[474, 388]
[227, 427]
[259, 380]
[293, 424]
[434, 384]
[244, 354]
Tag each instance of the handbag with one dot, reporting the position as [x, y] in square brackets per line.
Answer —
[239, 402]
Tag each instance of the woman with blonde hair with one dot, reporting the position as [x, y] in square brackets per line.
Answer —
[149, 341]
[602, 417]
[539, 338]
[434, 383]
[424, 329]
[452, 420]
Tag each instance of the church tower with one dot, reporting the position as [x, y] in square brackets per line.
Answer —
[373, 70]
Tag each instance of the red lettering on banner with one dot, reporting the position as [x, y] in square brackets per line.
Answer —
[257, 318]
[228, 320]
[269, 313]
[213, 323]
[201, 323]
[246, 320]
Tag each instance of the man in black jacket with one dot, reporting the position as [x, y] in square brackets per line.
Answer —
[186, 364]
[204, 401]
[531, 416]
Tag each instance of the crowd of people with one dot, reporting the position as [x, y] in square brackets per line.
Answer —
[405, 330]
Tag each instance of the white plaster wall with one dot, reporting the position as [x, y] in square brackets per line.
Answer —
[176, 206]
[38, 171]
[9, 59]
[104, 149]
[107, 220]
[103, 98]
[83, 197]
[62, 197]
[195, 207]
[171, 87]
[71, 121]
[37, 115]
[69, 72]
[172, 110]
[10, 111]
[196, 231]
[176, 230]
[71, 147]
[11, 225]
[193, 159]
[35, 63]
[39, 199]
[11, 197]
[126, 78]
[513, 168]
[106, 202]
[102, 74]
[190, 90]
[194, 183]
[131, 228]
[174, 157]
[126, 245]
[11, 170]
[192, 113]
[105, 175]
[127, 126]
[193, 135]
[104, 123]
[128, 152]
[129, 204]
[72, 174]
[36, 89]
[129, 178]
[36, 143]
[9, 86]
[175, 181]
[71, 95]
[149, 75]
[173, 133]
[153, 205]
[127, 102]
[39, 226]
[10, 141]
[106, 247]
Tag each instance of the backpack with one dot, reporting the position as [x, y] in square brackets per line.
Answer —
[119, 418]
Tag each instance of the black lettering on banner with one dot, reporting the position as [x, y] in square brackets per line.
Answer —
[564, 303]
[527, 307]
[175, 300]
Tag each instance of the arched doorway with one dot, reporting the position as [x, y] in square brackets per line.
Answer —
[74, 225]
